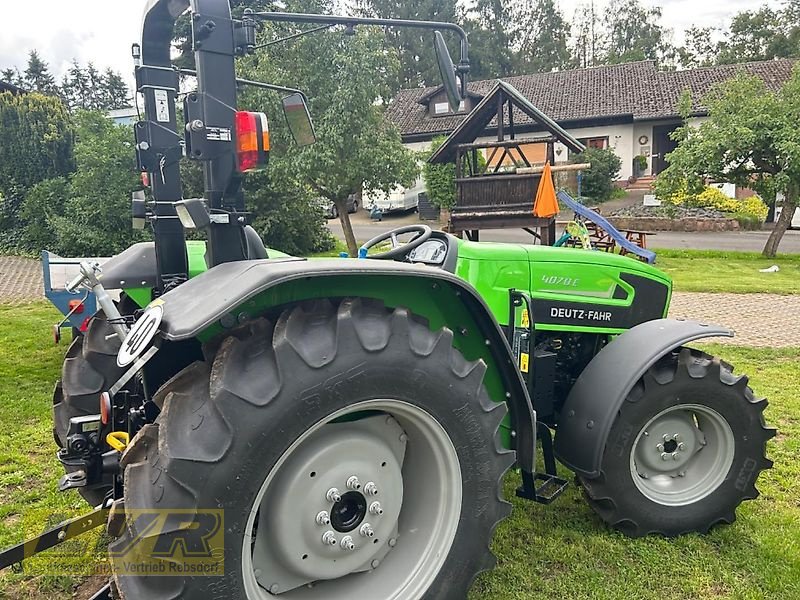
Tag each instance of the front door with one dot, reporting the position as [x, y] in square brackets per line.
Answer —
[662, 145]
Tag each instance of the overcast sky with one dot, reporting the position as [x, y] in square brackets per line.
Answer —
[102, 31]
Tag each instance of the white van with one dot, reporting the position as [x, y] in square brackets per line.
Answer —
[795, 224]
[399, 199]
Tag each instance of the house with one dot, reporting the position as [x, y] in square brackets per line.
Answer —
[630, 108]
[123, 116]
[10, 87]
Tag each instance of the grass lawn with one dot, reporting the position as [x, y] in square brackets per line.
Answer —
[735, 272]
[543, 552]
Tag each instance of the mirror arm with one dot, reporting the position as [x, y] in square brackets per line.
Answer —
[258, 84]
[463, 65]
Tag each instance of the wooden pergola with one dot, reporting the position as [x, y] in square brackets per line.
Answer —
[499, 192]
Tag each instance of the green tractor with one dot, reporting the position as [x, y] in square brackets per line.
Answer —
[339, 428]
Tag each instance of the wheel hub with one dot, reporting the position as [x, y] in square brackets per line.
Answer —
[682, 454]
[316, 521]
[349, 512]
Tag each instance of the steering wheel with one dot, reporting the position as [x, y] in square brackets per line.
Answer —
[423, 232]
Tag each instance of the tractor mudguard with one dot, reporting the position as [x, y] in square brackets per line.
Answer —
[592, 404]
[228, 294]
[134, 267]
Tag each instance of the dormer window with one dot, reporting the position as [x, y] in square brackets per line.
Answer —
[443, 108]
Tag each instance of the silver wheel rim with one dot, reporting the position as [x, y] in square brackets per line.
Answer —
[682, 455]
[413, 465]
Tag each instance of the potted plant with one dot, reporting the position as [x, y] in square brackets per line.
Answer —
[639, 165]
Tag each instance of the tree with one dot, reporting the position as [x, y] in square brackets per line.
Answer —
[12, 76]
[588, 30]
[762, 34]
[544, 37]
[633, 32]
[96, 219]
[37, 139]
[494, 33]
[414, 47]
[37, 75]
[86, 88]
[700, 47]
[597, 182]
[750, 139]
[345, 77]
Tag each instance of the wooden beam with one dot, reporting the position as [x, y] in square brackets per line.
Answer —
[554, 168]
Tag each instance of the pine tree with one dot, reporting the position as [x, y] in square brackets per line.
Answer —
[12, 76]
[37, 75]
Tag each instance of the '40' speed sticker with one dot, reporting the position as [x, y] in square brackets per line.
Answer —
[140, 335]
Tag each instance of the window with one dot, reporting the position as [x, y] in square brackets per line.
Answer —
[443, 108]
[601, 143]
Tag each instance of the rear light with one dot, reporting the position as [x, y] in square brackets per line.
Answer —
[85, 325]
[146, 179]
[75, 306]
[252, 140]
[105, 408]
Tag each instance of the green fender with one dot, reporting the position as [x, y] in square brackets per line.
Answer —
[231, 293]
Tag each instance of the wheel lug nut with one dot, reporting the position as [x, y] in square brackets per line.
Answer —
[660, 447]
[366, 530]
[664, 456]
[371, 488]
[681, 446]
[323, 518]
[347, 543]
[333, 495]
[677, 437]
[675, 456]
[667, 437]
[329, 538]
[353, 483]
[375, 508]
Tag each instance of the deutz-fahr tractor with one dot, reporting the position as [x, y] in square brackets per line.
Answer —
[344, 426]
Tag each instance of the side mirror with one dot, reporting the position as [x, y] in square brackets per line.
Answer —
[299, 119]
[447, 71]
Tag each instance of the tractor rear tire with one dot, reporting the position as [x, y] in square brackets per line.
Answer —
[685, 450]
[278, 417]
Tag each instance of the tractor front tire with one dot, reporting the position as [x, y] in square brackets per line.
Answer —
[351, 451]
[685, 450]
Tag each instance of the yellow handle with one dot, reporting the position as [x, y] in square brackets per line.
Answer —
[118, 440]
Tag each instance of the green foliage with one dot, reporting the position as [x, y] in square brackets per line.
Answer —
[87, 88]
[43, 203]
[346, 78]
[286, 215]
[750, 139]
[413, 47]
[440, 180]
[37, 138]
[640, 162]
[634, 32]
[96, 219]
[37, 75]
[749, 211]
[597, 183]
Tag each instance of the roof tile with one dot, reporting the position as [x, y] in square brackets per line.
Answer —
[637, 90]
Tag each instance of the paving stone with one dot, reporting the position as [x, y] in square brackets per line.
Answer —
[760, 320]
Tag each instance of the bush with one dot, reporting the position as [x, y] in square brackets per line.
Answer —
[597, 183]
[97, 215]
[748, 211]
[43, 203]
[440, 180]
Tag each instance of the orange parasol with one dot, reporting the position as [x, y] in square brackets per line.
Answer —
[545, 204]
